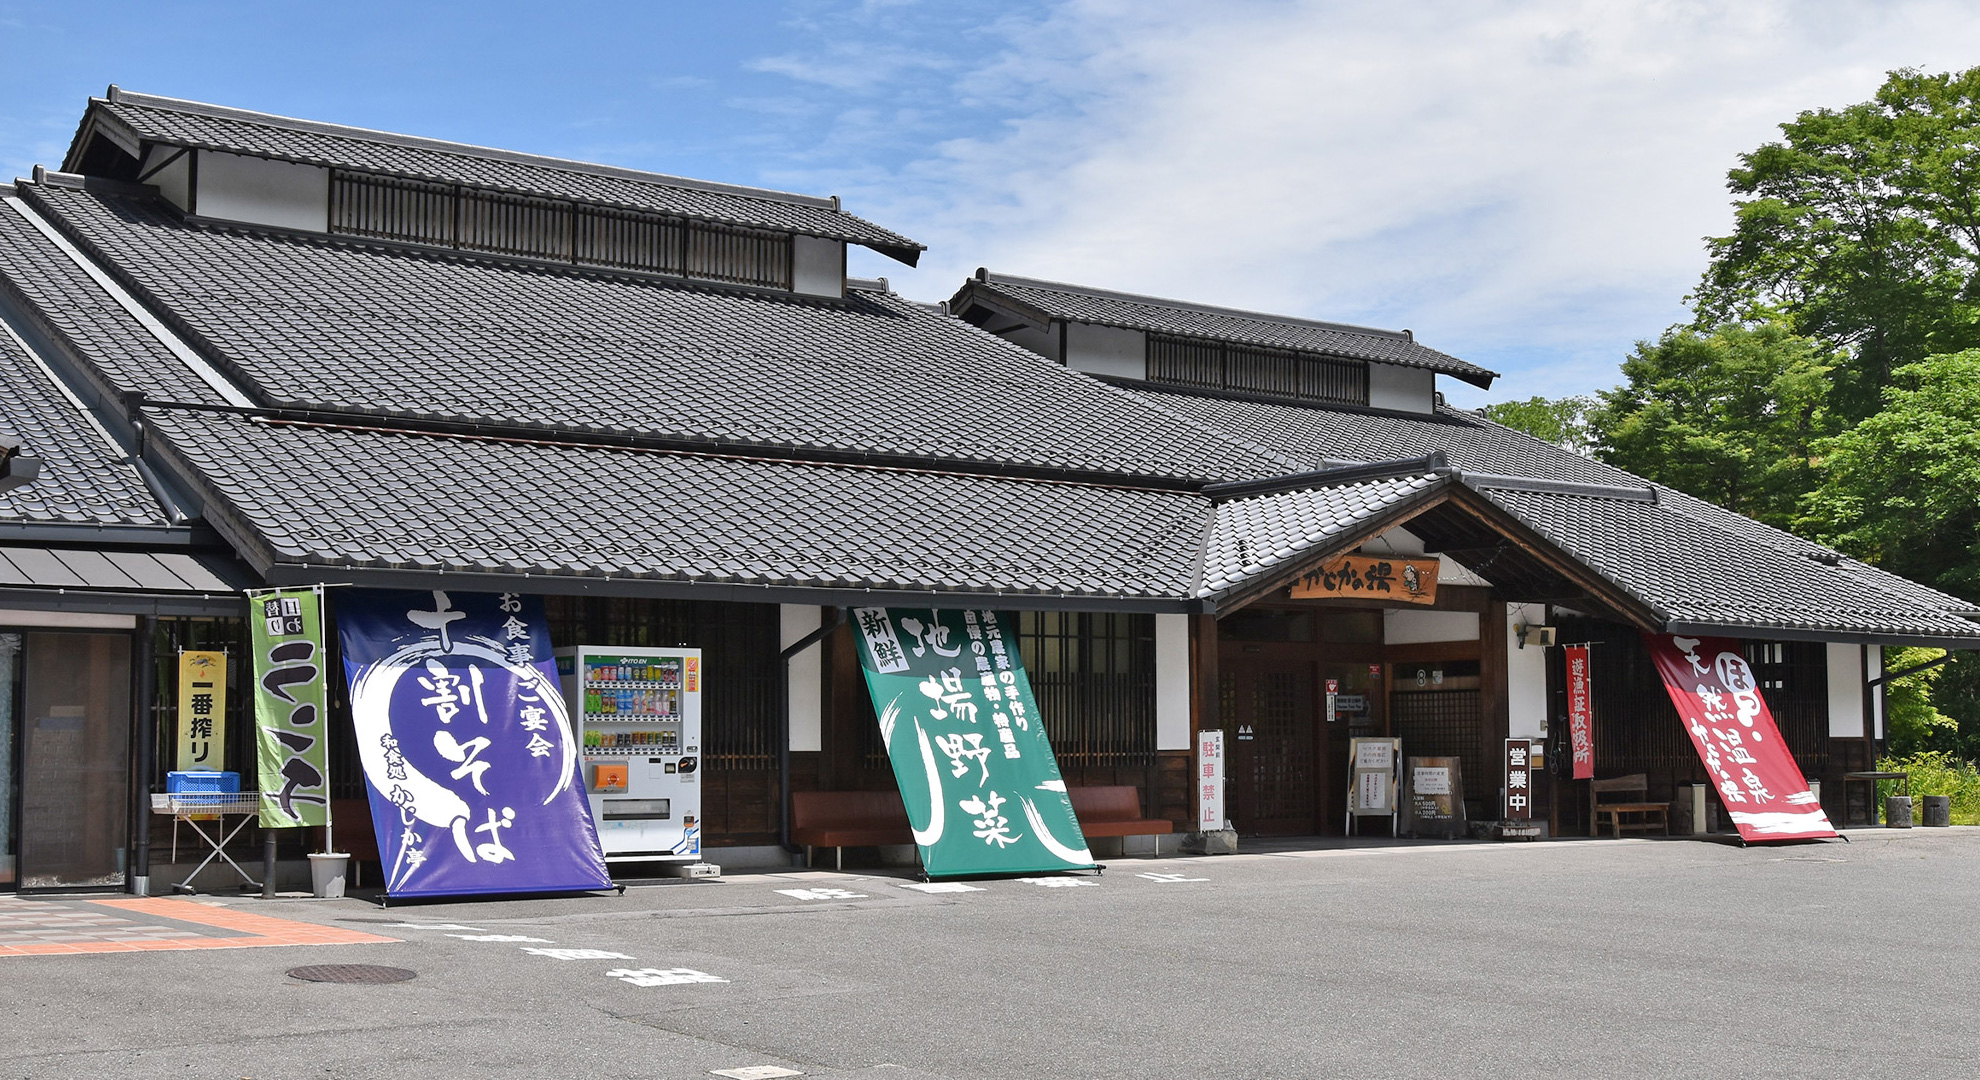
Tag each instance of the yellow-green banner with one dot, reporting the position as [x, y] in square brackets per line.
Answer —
[285, 632]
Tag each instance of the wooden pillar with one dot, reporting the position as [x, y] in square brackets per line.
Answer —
[1203, 680]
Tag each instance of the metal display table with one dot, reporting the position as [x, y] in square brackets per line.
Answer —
[192, 807]
[1870, 808]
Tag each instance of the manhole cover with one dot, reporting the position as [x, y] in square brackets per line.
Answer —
[350, 973]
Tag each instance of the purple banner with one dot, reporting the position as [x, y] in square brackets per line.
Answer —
[466, 750]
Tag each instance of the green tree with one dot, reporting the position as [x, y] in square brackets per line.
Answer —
[1561, 421]
[1731, 416]
[1902, 488]
[1912, 723]
[1862, 226]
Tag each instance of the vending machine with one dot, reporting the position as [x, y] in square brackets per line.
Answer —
[637, 717]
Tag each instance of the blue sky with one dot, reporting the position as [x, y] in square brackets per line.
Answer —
[1524, 185]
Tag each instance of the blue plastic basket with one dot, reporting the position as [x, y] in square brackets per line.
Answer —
[185, 784]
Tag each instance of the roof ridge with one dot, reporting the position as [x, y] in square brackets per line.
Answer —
[986, 276]
[119, 96]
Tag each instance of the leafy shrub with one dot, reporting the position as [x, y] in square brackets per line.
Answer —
[1935, 772]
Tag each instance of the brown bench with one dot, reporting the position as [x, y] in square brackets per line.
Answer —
[1614, 812]
[1115, 811]
[843, 819]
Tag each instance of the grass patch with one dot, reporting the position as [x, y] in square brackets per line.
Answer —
[1936, 772]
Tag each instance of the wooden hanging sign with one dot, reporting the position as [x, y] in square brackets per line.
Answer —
[1371, 577]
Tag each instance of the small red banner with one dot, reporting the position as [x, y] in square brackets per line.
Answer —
[1719, 701]
[1581, 724]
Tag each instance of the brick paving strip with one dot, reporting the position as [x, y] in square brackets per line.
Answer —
[42, 928]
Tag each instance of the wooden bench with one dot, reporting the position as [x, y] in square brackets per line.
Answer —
[1614, 812]
[1115, 811]
[843, 819]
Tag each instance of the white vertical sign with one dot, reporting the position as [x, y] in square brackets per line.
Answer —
[1209, 781]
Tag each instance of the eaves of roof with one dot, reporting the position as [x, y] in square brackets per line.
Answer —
[1038, 302]
[131, 119]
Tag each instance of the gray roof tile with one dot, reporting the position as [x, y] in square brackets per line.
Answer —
[1262, 537]
[337, 496]
[81, 313]
[195, 124]
[1698, 572]
[318, 322]
[84, 479]
[1078, 303]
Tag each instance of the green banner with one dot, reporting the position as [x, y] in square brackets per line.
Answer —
[285, 638]
[982, 788]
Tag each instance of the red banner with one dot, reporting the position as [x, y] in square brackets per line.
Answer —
[1581, 725]
[1719, 701]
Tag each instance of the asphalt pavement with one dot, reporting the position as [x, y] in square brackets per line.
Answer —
[1641, 958]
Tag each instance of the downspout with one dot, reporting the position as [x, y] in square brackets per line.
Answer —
[784, 733]
[147, 753]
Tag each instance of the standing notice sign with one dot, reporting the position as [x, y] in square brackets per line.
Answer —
[1519, 779]
[982, 788]
[285, 636]
[1718, 701]
[202, 711]
[1372, 780]
[1581, 726]
[466, 746]
[1209, 781]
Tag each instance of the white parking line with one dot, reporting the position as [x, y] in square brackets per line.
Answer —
[578, 954]
[666, 977]
[1056, 882]
[500, 937]
[822, 894]
[939, 886]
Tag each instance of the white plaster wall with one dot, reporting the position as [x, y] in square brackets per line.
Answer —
[1526, 676]
[174, 181]
[818, 266]
[807, 682]
[1172, 682]
[1043, 342]
[262, 192]
[1875, 664]
[1400, 541]
[1405, 389]
[1107, 350]
[1846, 688]
[1408, 626]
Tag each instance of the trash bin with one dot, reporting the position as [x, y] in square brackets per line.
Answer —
[326, 872]
[1938, 811]
[1897, 812]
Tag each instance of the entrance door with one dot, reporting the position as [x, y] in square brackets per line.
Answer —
[75, 740]
[1268, 723]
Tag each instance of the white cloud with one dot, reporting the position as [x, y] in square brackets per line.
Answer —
[1525, 185]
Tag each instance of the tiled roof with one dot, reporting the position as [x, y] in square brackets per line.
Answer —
[315, 322]
[1318, 435]
[84, 478]
[196, 124]
[77, 309]
[1691, 560]
[1080, 304]
[1260, 537]
[373, 499]
[1700, 574]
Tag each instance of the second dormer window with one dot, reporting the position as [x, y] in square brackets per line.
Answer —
[1212, 365]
